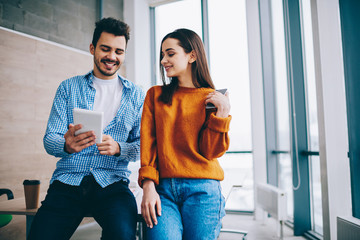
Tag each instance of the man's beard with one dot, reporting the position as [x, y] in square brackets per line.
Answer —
[106, 73]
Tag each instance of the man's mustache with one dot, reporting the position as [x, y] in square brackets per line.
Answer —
[110, 61]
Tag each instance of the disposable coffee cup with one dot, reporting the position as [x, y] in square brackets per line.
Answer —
[32, 192]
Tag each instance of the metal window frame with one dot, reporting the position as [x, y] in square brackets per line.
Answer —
[205, 28]
[297, 105]
[152, 45]
[267, 58]
[298, 116]
[349, 19]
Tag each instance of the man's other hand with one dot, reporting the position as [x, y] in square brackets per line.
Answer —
[108, 146]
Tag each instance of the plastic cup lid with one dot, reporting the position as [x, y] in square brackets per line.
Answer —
[31, 182]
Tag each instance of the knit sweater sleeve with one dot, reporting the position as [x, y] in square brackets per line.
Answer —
[148, 153]
[214, 138]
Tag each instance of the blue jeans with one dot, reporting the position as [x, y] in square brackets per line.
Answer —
[191, 209]
[113, 207]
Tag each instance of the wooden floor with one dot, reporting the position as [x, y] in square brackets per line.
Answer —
[257, 230]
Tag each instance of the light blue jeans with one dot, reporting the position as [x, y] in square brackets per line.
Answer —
[191, 209]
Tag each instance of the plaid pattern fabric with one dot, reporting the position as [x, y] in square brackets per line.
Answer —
[78, 92]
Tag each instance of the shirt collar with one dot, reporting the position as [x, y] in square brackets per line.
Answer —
[90, 78]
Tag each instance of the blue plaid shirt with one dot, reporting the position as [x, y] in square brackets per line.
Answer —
[78, 92]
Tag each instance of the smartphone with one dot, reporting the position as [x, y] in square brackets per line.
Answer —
[210, 105]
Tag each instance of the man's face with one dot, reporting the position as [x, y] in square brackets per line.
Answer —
[109, 54]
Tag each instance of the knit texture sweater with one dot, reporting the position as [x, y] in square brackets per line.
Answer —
[181, 140]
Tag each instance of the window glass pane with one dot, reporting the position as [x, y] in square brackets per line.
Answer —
[310, 77]
[281, 85]
[316, 195]
[242, 198]
[230, 69]
[313, 133]
[229, 65]
[285, 181]
[171, 16]
[282, 103]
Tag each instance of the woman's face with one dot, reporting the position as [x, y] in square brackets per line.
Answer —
[176, 62]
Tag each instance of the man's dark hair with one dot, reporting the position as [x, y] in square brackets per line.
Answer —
[113, 26]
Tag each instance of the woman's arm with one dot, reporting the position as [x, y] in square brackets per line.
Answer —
[214, 139]
[151, 204]
[148, 152]
[148, 173]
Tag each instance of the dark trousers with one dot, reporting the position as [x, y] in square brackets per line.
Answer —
[113, 207]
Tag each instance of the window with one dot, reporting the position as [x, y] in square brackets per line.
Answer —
[229, 69]
[313, 132]
[171, 16]
[349, 16]
[282, 105]
[290, 107]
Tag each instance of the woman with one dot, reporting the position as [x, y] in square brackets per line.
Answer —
[180, 144]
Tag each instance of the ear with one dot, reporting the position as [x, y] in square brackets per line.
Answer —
[92, 49]
[192, 57]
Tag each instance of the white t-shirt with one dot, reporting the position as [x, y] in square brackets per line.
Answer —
[107, 97]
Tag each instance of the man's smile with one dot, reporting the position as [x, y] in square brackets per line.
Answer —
[110, 64]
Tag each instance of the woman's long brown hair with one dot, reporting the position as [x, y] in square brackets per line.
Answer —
[189, 41]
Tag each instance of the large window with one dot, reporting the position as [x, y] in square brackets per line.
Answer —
[289, 80]
[229, 69]
[171, 16]
[229, 64]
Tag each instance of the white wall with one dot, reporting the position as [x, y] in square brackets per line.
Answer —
[333, 137]
[136, 14]
[31, 70]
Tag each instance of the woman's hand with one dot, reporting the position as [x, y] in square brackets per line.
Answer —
[221, 102]
[151, 204]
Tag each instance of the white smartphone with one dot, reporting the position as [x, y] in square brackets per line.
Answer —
[210, 105]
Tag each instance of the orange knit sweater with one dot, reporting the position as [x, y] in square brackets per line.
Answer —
[182, 140]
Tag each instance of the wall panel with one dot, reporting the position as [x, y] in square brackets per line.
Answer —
[31, 70]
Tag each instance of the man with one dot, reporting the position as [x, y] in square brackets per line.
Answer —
[93, 178]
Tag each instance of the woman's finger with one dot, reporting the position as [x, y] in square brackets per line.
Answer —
[158, 206]
[147, 217]
[153, 214]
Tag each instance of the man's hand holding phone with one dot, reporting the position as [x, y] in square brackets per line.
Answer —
[77, 143]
